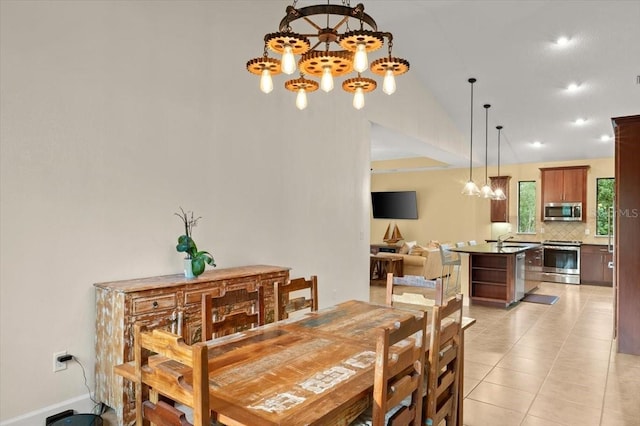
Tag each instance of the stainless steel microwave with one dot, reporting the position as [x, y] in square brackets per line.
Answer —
[563, 212]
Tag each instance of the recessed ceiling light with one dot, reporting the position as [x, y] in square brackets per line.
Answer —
[536, 144]
[580, 121]
[562, 41]
[572, 87]
[605, 138]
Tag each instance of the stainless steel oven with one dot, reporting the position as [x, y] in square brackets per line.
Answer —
[561, 261]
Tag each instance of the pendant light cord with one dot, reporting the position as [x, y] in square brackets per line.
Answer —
[499, 130]
[471, 80]
[486, 143]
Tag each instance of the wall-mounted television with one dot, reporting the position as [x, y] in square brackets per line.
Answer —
[394, 205]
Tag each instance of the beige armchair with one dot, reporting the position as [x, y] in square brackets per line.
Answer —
[427, 264]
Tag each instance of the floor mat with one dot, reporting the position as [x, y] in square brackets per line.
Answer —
[545, 299]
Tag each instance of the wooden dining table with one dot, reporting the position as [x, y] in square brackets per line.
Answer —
[314, 369]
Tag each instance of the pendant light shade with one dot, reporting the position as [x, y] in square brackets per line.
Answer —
[498, 193]
[470, 188]
[486, 191]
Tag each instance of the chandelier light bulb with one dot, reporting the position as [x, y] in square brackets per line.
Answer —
[470, 188]
[499, 195]
[486, 192]
[266, 82]
[301, 99]
[389, 82]
[360, 60]
[288, 60]
[326, 83]
[358, 98]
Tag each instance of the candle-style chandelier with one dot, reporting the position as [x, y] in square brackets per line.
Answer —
[334, 54]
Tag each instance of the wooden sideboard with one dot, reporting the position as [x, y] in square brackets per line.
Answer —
[170, 301]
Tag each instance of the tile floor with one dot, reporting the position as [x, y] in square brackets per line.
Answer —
[548, 365]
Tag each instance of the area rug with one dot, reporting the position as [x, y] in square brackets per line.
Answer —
[545, 299]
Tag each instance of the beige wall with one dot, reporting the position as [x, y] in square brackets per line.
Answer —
[446, 215]
[113, 115]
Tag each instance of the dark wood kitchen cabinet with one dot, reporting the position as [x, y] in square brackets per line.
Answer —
[564, 185]
[594, 265]
[492, 278]
[500, 208]
[627, 234]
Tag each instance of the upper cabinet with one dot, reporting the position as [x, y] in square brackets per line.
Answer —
[564, 185]
[500, 208]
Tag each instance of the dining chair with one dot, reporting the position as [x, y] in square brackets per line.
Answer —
[399, 374]
[450, 263]
[284, 304]
[163, 414]
[151, 381]
[445, 358]
[415, 291]
[231, 311]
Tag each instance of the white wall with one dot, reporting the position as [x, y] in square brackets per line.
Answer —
[113, 115]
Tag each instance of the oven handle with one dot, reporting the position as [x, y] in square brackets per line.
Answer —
[566, 248]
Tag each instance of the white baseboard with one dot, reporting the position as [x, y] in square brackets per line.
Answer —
[80, 404]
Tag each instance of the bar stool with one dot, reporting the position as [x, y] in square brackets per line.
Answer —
[472, 242]
[450, 260]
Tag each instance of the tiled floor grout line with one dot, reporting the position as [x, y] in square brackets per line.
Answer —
[510, 348]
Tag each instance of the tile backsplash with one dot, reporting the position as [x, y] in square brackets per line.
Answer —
[563, 230]
[553, 231]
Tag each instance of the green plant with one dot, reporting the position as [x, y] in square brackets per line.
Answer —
[186, 244]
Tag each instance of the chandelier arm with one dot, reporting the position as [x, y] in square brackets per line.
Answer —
[316, 45]
[339, 24]
[313, 24]
[326, 9]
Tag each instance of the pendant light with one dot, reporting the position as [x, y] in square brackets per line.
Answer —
[498, 193]
[470, 188]
[486, 191]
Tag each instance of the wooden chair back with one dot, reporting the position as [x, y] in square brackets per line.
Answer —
[451, 262]
[284, 304]
[399, 372]
[151, 381]
[232, 311]
[418, 292]
[445, 362]
[163, 414]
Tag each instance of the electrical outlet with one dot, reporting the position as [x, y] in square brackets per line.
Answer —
[59, 366]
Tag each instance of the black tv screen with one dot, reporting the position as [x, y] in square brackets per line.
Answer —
[394, 205]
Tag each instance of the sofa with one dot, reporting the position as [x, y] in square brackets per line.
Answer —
[418, 260]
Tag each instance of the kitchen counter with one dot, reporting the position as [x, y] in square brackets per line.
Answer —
[496, 273]
[508, 247]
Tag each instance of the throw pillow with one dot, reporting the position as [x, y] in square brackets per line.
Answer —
[404, 249]
[434, 244]
[417, 250]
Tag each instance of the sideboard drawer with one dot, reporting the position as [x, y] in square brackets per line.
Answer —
[145, 305]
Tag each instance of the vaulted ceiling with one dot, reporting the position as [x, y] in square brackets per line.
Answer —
[511, 47]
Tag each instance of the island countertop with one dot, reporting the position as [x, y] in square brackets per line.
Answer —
[508, 247]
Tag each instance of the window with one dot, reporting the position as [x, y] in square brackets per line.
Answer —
[527, 207]
[604, 203]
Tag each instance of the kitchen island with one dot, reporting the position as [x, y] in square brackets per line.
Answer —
[497, 272]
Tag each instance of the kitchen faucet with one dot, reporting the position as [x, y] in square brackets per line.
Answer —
[501, 240]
